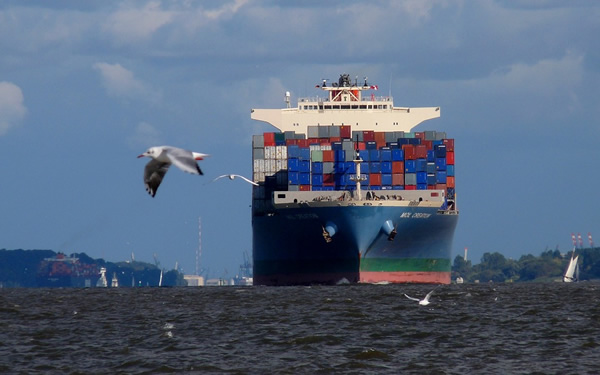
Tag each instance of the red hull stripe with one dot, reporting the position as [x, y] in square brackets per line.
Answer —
[406, 277]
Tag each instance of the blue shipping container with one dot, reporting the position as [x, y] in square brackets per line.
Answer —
[305, 153]
[450, 170]
[431, 179]
[410, 166]
[375, 167]
[364, 155]
[317, 167]
[350, 167]
[386, 167]
[304, 178]
[441, 177]
[397, 155]
[386, 154]
[440, 164]
[374, 155]
[317, 180]
[293, 151]
[304, 166]
[431, 155]
[386, 179]
[293, 165]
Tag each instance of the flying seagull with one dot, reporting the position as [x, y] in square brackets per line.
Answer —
[424, 301]
[161, 159]
[232, 176]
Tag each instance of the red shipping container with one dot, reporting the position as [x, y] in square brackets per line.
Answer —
[428, 144]
[421, 151]
[397, 179]
[410, 187]
[328, 179]
[420, 135]
[409, 152]
[362, 146]
[375, 179]
[304, 187]
[430, 187]
[440, 186]
[450, 157]
[346, 131]
[289, 142]
[368, 136]
[328, 155]
[335, 139]
[269, 137]
[303, 143]
[398, 167]
[450, 181]
[449, 144]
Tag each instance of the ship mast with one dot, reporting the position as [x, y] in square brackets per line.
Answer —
[358, 177]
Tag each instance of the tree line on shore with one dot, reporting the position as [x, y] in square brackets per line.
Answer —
[549, 266]
[27, 269]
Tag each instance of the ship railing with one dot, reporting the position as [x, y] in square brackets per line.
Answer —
[366, 98]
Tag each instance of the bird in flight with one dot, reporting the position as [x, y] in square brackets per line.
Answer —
[161, 159]
[424, 301]
[233, 176]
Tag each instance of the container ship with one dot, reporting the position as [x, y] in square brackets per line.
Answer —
[64, 271]
[349, 192]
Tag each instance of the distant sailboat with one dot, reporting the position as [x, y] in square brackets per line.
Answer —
[160, 279]
[572, 272]
[115, 282]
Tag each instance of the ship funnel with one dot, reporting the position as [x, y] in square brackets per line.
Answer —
[388, 228]
[329, 230]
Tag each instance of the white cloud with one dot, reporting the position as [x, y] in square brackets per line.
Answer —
[12, 109]
[225, 9]
[120, 82]
[132, 25]
[545, 76]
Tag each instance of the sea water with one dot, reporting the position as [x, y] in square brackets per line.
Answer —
[523, 328]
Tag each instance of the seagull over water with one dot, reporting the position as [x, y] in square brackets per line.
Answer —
[232, 176]
[424, 301]
[161, 159]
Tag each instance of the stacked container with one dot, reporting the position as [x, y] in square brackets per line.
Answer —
[324, 160]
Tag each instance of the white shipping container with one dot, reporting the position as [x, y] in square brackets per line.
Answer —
[280, 152]
[281, 165]
[259, 165]
[259, 177]
[269, 152]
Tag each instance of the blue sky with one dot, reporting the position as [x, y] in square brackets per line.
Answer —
[85, 87]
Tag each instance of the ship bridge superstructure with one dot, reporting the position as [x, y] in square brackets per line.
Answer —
[345, 104]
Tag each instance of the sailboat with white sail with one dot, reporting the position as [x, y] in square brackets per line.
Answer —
[572, 273]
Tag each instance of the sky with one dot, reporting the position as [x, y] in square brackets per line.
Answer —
[85, 87]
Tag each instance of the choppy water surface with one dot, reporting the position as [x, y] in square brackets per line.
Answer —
[488, 328]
